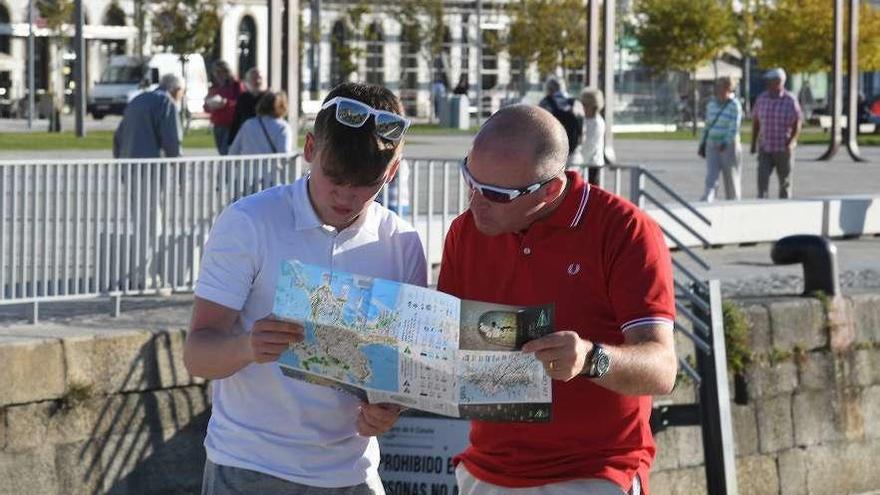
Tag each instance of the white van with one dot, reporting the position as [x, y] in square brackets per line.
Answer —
[126, 77]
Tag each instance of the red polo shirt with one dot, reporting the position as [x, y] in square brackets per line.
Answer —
[604, 264]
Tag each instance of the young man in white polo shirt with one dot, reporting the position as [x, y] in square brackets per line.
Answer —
[269, 433]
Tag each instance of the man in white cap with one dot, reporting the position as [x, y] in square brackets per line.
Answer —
[776, 124]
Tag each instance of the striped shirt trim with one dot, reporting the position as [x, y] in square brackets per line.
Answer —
[585, 196]
[649, 320]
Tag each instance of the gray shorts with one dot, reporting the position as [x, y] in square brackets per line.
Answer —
[227, 480]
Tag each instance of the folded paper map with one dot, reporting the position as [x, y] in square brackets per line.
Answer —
[386, 341]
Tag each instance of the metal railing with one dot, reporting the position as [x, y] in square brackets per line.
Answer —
[87, 228]
[91, 228]
[698, 304]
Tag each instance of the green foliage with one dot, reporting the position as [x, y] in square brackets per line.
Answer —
[799, 35]
[187, 26]
[736, 337]
[745, 26]
[56, 12]
[77, 394]
[682, 34]
[422, 25]
[550, 33]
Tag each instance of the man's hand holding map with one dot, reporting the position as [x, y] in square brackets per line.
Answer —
[390, 342]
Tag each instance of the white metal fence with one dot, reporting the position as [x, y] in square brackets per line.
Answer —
[88, 228]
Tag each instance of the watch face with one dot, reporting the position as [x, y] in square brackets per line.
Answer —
[603, 363]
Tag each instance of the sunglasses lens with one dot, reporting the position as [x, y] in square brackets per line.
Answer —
[352, 113]
[390, 126]
[495, 196]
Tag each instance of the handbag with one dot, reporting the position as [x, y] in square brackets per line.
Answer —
[701, 151]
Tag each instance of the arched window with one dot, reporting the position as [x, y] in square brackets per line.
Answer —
[409, 63]
[4, 22]
[375, 54]
[247, 44]
[341, 64]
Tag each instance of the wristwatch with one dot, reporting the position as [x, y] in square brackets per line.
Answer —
[598, 362]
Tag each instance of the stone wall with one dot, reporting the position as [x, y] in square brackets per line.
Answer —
[811, 424]
[85, 410]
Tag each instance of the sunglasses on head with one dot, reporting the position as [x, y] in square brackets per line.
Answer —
[353, 113]
[497, 194]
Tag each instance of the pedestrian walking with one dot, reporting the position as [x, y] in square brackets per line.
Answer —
[246, 106]
[268, 131]
[720, 144]
[220, 103]
[569, 113]
[776, 125]
[150, 124]
[593, 145]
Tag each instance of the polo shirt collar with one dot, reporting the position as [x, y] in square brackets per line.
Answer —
[571, 211]
[305, 217]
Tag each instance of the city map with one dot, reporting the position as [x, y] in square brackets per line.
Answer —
[386, 341]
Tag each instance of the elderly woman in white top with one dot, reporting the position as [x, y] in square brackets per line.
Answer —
[723, 151]
[594, 134]
[268, 132]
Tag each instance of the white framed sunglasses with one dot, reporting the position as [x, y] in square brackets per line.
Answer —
[353, 113]
[498, 194]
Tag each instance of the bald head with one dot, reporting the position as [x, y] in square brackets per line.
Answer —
[525, 131]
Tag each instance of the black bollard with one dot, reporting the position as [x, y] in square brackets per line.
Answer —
[819, 257]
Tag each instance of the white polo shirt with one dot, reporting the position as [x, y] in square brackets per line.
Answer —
[262, 420]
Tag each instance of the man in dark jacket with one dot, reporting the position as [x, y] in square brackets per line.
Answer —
[246, 107]
[151, 123]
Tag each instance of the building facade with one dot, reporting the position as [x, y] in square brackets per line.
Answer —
[377, 52]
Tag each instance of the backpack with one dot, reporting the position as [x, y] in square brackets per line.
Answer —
[572, 124]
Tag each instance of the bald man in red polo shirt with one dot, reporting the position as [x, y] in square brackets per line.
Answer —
[536, 234]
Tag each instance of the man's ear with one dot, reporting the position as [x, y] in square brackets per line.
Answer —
[309, 148]
[554, 189]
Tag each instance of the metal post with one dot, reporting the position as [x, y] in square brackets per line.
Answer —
[479, 62]
[836, 84]
[636, 186]
[718, 452]
[275, 60]
[592, 63]
[292, 63]
[316, 48]
[608, 81]
[31, 64]
[852, 143]
[79, 70]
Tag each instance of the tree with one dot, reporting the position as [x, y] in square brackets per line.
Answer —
[799, 35]
[549, 33]
[56, 13]
[746, 36]
[682, 35]
[186, 26]
[422, 25]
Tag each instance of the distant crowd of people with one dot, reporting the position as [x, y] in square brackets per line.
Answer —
[246, 118]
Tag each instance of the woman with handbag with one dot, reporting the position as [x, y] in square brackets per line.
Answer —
[720, 145]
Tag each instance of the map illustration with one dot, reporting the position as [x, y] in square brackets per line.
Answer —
[386, 341]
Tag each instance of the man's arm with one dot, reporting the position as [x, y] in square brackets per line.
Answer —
[216, 347]
[645, 364]
[795, 133]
